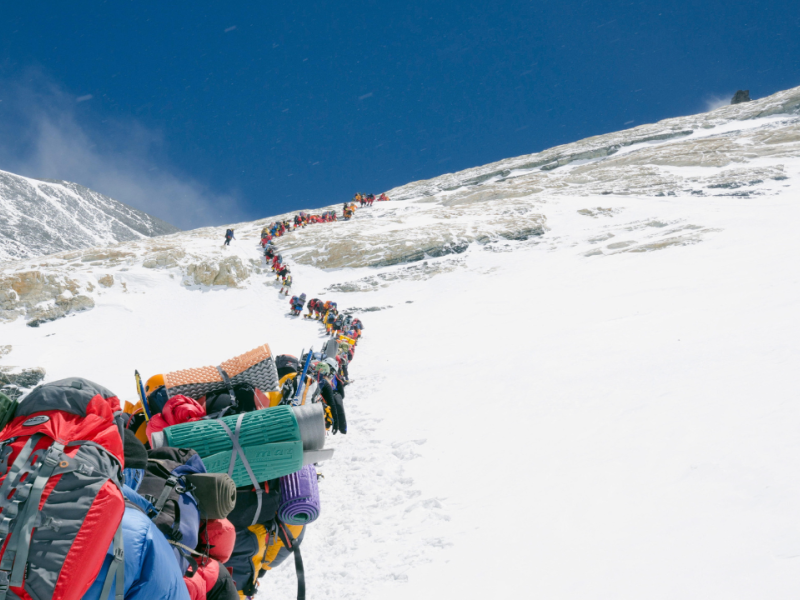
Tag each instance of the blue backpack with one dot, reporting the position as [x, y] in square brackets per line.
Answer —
[175, 511]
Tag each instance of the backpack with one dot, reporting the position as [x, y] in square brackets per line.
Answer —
[63, 450]
[245, 398]
[177, 512]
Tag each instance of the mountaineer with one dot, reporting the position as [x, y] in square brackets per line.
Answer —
[151, 569]
[287, 283]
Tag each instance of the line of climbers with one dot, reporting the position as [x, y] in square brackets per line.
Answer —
[368, 199]
[193, 492]
[278, 229]
[301, 219]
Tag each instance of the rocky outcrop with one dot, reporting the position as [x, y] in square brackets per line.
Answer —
[14, 382]
[164, 259]
[40, 297]
[741, 96]
[229, 271]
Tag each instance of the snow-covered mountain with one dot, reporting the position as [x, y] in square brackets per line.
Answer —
[39, 217]
[578, 375]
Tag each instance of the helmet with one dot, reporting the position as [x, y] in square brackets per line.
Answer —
[331, 362]
[155, 382]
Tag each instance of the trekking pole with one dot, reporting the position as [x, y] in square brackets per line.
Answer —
[142, 397]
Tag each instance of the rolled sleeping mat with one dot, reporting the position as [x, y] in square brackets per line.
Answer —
[215, 493]
[299, 497]
[256, 367]
[274, 441]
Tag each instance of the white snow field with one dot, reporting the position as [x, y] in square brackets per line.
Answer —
[608, 410]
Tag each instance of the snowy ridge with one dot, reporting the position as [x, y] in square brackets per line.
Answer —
[562, 393]
[44, 217]
[688, 130]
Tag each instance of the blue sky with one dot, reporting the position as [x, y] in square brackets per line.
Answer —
[210, 112]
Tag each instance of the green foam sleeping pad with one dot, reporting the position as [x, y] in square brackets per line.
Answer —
[259, 427]
[268, 461]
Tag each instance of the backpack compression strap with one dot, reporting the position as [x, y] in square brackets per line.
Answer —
[21, 538]
[293, 546]
[237, 449]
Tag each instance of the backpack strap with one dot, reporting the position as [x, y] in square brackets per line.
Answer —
[16, 554]
[237, 449]
[293, 546]
[228, 383]
[116, 568]
[169, 485]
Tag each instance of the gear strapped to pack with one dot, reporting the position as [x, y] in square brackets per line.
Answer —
[237, 449]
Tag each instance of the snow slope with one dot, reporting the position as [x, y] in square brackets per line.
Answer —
[603, 409]
[44, 217]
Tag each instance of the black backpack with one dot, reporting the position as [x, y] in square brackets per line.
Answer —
[176, 516]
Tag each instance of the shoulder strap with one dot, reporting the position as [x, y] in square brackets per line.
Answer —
[116, 569]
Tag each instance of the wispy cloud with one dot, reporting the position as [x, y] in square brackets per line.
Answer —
[41, 136]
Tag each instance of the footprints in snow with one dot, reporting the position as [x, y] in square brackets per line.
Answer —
[375, 524]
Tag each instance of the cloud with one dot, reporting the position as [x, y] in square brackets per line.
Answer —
[84, 98]
[715, 102]
[41, 136]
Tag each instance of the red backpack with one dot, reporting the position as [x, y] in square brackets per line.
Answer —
[61, 502]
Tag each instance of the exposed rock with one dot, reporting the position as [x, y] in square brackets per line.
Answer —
[164, 259]
[416, 272]
[106, 280]
[229, 271]
[598, 212]
[4, 350]
[40, 297]
[14, 382]
[741, 96]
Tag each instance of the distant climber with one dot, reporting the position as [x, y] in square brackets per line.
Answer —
[741, 96]
[286, 284]
[313, 306]
[296, 304]
[229, 237]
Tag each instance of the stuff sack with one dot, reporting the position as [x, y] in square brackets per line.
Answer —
[286, 364]
[62, 451]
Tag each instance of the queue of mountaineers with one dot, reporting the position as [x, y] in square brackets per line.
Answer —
[195, 490]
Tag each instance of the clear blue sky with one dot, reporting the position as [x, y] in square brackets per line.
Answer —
[246, 109]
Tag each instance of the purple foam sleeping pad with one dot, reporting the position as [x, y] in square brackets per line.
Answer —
[299, 497]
